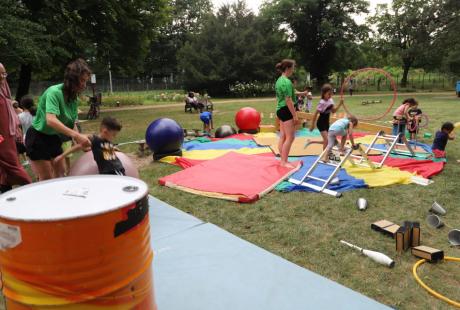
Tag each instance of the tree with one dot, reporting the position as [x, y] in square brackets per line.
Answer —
[186, 18]
[411, 27]
[234, 45]
[99, 31]
[322, 31]
[21, 41]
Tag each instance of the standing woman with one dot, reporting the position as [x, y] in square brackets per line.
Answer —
[285, 96]
[11, 172]
[56, 114]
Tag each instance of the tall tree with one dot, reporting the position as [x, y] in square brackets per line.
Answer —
[186, 18]
[322, 31]
[22, 42]
[411, 27]
[119, 31]
[234, 45]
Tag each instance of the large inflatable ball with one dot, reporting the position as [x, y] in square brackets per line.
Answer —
[248, 120]
[86, 165]
[164, 137]
[224, 131]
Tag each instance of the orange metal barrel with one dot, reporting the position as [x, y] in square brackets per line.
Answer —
[77, 243]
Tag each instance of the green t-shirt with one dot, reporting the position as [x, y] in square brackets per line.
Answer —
[284, 89]
[52, 101]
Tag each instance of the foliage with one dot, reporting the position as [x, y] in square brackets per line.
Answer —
[410, 27]
[251, 89]
[185, 19]
[21, 40]
[234, 45]
[322, 32]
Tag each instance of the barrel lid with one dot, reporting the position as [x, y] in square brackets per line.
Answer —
[71, 197]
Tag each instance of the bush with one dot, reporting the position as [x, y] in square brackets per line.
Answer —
[251, 89]
[114, 101]
[166, 96]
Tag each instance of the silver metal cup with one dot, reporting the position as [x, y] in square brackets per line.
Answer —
[361, 204]
[436, 208]
[454, 237]
[434, 221]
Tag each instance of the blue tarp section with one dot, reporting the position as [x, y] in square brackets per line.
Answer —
[347, 182]
[225, 144]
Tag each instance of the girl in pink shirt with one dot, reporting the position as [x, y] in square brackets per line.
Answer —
[401, 116]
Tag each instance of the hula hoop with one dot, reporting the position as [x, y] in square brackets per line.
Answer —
[413, 126]
[430, 290]
[393, 86]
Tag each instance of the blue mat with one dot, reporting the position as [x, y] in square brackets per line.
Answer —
[347, 182]
[225, 144]
[199, 266]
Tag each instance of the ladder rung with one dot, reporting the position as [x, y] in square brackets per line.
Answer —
[315, 178]
[329, 164]
[380, 150]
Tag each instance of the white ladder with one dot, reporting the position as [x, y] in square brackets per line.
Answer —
[337, 164]
[391, 142]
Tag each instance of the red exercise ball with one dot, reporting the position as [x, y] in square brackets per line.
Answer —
[86, 165]
[248, 120]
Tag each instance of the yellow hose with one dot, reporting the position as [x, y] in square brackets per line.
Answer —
[430, 290]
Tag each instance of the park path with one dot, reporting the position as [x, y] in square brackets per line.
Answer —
[226, 101]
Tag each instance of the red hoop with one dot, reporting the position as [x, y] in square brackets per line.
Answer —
[393, 86]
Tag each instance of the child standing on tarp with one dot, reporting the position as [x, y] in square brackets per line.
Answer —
[103, 148]
[206, 118]
[441, 138]
[401, 116]
[340, 128]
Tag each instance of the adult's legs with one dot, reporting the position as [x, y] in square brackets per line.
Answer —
[289, 133]
[282, 137]
[44, 169]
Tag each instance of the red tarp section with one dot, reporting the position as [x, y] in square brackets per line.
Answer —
[425, 168]
[239, 177]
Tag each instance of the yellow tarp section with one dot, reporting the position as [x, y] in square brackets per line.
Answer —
[211, 154]
[379, 177]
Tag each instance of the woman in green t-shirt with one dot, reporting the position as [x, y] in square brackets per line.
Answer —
[285, 96]
[57, 111]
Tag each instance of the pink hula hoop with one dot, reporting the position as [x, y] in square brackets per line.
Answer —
[393, 86]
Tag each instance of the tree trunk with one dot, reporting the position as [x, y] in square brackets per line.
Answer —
[406, 66]
[25, 76]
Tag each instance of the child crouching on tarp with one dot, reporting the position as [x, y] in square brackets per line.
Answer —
[340, 128]
[441, 138]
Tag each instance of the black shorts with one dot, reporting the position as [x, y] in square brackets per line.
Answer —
[41, 146]
[284, 114]
[323, 122]
[20, 147]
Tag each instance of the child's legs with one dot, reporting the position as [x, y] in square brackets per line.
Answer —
[395, 130]
[324, 135]
[343, 140]
[289, 132]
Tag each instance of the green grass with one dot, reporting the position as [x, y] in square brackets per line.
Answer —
[305, 227]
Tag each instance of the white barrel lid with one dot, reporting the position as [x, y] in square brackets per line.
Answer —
[71, 197]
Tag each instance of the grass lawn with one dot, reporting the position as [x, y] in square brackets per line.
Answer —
[305, 228]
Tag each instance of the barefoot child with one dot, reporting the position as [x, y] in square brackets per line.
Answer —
[324, 109]
[103, 148]
[441, 138]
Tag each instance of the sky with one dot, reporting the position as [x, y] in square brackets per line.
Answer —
[254, 5]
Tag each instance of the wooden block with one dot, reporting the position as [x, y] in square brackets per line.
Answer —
[391, 230]
[380, 225]
[430, 254]
[407, 230]
[415, 234]
[267, 128]
[400, 239]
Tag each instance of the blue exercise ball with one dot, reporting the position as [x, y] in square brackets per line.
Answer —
[164, 137]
